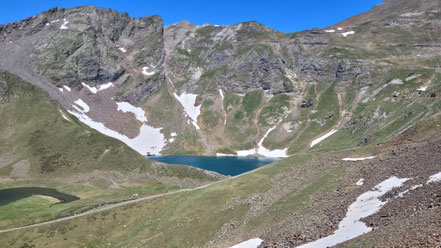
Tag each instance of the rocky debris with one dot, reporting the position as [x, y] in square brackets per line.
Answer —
[415, 161]
[307, 103]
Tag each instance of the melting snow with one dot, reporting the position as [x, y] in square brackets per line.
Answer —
[145, 72]
[122, 49]
[358, 159]
[60, 89]
[224, 155]
[222, 97]
[127, 107]
[173, 134]
[188, 101]
[345, 34]
[413, 76]
[64, 24]
[251, 243]
[67, 88]
[435, 178]
[360, 182]
[171, 140]
[340, 29]
[422, 88]
[320, 139]
[401, 194]
[330, 31]
[149, 140]
[57, 20]
[94, 90]
[83, 105]
[396, 81]
[366, 204]
[260, 150]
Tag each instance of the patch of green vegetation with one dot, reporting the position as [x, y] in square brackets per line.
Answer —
[207, 103]
[225, 151]
[274, 110]
[252, 101]
[261, 50]
[210, 118]
[230, 101]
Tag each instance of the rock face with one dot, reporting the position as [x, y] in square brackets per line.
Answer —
[241, 75]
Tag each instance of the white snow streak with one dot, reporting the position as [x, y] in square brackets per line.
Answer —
[67, 88]
[225, 112]
[261, 150]
[434, 178]
[251, 243]
[224, 155]
[366, 204]
[330, 31]
[129, 108]
[64, 24]
[122, 49]
[358, 159]
[320, 139]
[360, 182]
[149, 140]
[188, 102]
[94, 90]
[145, 72]
[345, 34]
[422, 88]
[83, 105]
[60, 89]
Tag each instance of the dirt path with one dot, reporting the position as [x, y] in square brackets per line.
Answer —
[97, 210]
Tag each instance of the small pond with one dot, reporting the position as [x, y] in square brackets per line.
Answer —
[14, 194]
[230, 166]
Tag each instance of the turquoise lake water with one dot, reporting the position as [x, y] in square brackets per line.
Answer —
[230, 166]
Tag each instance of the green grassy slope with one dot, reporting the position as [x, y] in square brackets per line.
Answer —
[38, 147]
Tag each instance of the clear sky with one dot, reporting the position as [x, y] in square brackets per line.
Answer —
[282, 15]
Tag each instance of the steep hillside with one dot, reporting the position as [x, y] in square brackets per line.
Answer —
[238, 89]
[42, 145]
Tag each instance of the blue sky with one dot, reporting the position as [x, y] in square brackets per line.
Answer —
[282, 15]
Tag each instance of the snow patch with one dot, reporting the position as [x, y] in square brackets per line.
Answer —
[67, 88]
[345, 34]
[145, 71]
[358, 159]
[83, 105]
[366, 204]
[171, 140]
[122, 49]
[173, 134]
[150, 140]
[413, 76]
[63, 26]
[95, 90]
[225, 112]
[340, 29]
[251, 243]
[261, 150]
[129, 108]
[188, 102]
[360, 182]
[54, 21]
[434, 178]
[320, 139]
[396, 81]
[401, 194]
[330, 31]
[60, 89]
[224, 155]
[422, 88]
